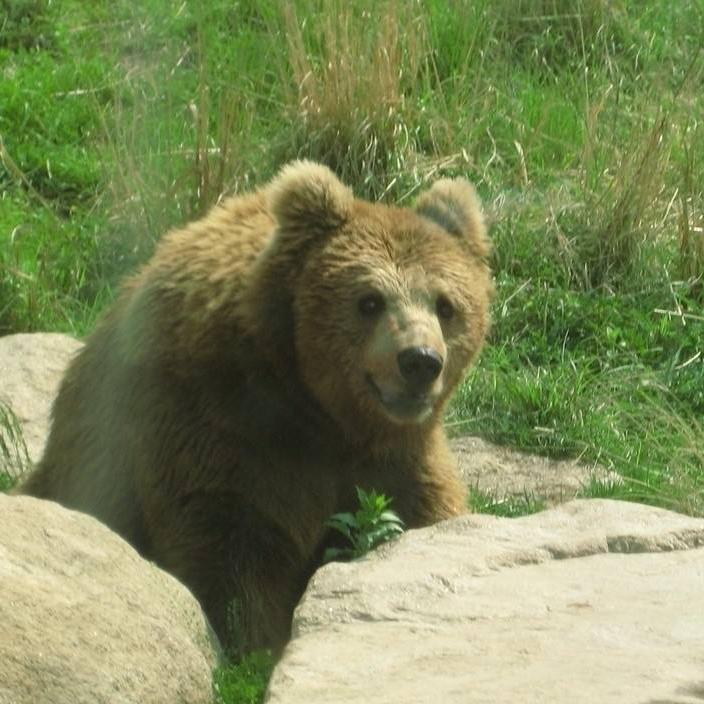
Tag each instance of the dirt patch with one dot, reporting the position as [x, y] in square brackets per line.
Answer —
[501, 472]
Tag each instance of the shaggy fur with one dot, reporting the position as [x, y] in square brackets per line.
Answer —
[243, 384]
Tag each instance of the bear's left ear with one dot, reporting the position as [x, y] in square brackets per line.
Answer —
[308, 196]
[455, 206]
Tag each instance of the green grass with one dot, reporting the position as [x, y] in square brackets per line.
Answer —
[505, 506]
[577, 120]
[7, 481]
[243, 682]
[14, 459]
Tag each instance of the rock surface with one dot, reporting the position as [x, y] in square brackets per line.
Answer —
[85, 620]
[594, 601]
[31, 367]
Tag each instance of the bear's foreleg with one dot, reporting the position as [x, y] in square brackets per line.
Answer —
[242, 568]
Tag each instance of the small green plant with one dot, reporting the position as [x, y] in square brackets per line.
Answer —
[245, 681]
[6, 482]
[373, 524]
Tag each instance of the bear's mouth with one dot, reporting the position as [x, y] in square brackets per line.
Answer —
[405, 406]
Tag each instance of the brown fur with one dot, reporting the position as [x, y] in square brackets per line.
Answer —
[234, 396]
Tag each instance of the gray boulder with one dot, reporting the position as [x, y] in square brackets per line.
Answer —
[31, 368]
[85, 620]
[594, 601]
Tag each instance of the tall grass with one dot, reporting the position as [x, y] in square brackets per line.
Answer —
[690, 220]
[613, 237]
[353, 73]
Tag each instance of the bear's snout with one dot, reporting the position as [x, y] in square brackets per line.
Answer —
[419, 366]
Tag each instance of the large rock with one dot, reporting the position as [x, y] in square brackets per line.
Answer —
[596, 601]
[85, 620]
[31, 367]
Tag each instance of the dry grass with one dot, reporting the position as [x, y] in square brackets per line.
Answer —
[690, 222]
[607, 223]
[354, 72]
[620, 219]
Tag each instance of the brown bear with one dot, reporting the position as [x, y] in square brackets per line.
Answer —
[290, 346]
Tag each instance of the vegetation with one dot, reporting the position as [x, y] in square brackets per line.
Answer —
[579, 121]
[507, 506]
[243, 682]
[13, 452]
[371, 525]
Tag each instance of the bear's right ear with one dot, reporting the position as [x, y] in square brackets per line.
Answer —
[309, 196]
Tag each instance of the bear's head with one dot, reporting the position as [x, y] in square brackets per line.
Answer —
[383, 308]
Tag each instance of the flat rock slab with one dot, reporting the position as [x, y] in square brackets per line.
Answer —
[31, 368]
[594, 601]
[85, 620]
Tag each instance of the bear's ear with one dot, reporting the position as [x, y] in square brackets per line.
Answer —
[455, 206]
[309, 196]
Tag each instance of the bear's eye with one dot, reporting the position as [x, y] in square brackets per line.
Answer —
[371, 305]
[444, 308]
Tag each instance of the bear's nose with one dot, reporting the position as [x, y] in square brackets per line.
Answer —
[420, 366]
